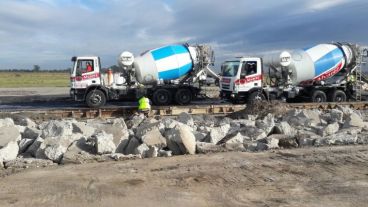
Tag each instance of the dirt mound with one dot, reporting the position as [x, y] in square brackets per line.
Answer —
[261, 109]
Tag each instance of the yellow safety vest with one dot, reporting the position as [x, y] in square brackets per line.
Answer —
[144, 104]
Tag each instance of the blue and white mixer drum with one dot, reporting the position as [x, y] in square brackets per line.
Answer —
[312, 64]
[165, 63]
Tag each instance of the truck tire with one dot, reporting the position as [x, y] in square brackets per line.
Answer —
[319, 96]
[338, 96]
[183, 96]
[162, 97]
[95, 98]
[256, 97]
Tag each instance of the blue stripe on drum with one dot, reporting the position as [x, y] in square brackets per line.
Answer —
[167, 51]
[328, 61]
[175, 73]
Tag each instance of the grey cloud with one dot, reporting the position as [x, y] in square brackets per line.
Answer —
[49, 32]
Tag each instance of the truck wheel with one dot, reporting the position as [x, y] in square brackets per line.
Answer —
[183, 96]
[95, 98]
[319, 96]
[162, 97]
[256, 97]
[338, 96]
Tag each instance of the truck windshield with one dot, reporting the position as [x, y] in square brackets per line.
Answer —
[230, 68]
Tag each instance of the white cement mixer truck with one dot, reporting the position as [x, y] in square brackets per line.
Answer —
[325, 72]
[166, 75]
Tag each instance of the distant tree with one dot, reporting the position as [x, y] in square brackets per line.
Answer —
[36, 68]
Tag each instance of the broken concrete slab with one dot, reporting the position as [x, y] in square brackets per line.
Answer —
[337, 139]
[285, 128]
[287, 142]
[7, 122]
[145, 128]
[24, 144]
[329, 129]
[132, 145]
[104, 143]
[154, 138]
[32, 149]
[9, 134]
[142, 150]
[135, 121]
[152, 152]
[186, 119]
[218, 133]
[31, 133]
[9, 152]
[83, 128]
[183, 137]
[266, 124]
[55, 128]
[164, 153]
[353, 120]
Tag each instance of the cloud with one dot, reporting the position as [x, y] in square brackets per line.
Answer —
[49, 32]
[316, 5]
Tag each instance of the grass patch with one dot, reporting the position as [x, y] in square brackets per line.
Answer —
[34, 79]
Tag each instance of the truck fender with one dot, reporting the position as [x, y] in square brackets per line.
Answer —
[258, 89]
[97, 87]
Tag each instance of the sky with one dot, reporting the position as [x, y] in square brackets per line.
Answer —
[49, 32]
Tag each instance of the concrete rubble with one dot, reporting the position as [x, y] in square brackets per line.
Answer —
[24, 143]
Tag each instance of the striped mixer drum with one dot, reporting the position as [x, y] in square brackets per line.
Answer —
[316, 63]
[165, 63]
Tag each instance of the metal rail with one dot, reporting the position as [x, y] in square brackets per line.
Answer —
[126, 111]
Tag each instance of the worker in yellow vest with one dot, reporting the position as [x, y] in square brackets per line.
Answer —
[144, 105]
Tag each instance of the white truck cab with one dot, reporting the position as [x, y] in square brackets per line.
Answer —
[241, 79]
[85, 81]
[85, 72]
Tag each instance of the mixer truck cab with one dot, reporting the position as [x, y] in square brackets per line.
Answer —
[85, 76]
[241, 79]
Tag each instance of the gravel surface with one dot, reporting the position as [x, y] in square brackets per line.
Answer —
[335, 176]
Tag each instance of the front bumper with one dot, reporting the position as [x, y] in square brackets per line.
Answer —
[228, 95]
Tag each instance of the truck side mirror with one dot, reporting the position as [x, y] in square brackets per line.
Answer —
[242, 75]
[365, 52]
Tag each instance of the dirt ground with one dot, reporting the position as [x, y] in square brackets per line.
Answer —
[335, 177]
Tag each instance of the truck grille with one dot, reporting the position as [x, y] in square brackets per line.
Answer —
[225, 86]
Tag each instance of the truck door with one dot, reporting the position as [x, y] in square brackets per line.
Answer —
[250, 75]
[86, 73]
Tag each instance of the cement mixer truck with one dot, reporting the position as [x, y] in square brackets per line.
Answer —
[166, 75]
[325, 72]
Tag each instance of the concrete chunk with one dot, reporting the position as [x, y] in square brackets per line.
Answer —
[218, 133]
[329, 129]
[142, 150]
[24, 144]
[186, 119]
[56, 128]
[266, 124]
[183, 137]
[285, 128]
[9, 134]
[154, 138]
[132, 145]
[104, 143]
[353, 120]
[9, 152]
[31, 133]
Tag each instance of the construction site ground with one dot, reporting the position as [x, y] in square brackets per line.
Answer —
[326, 176]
